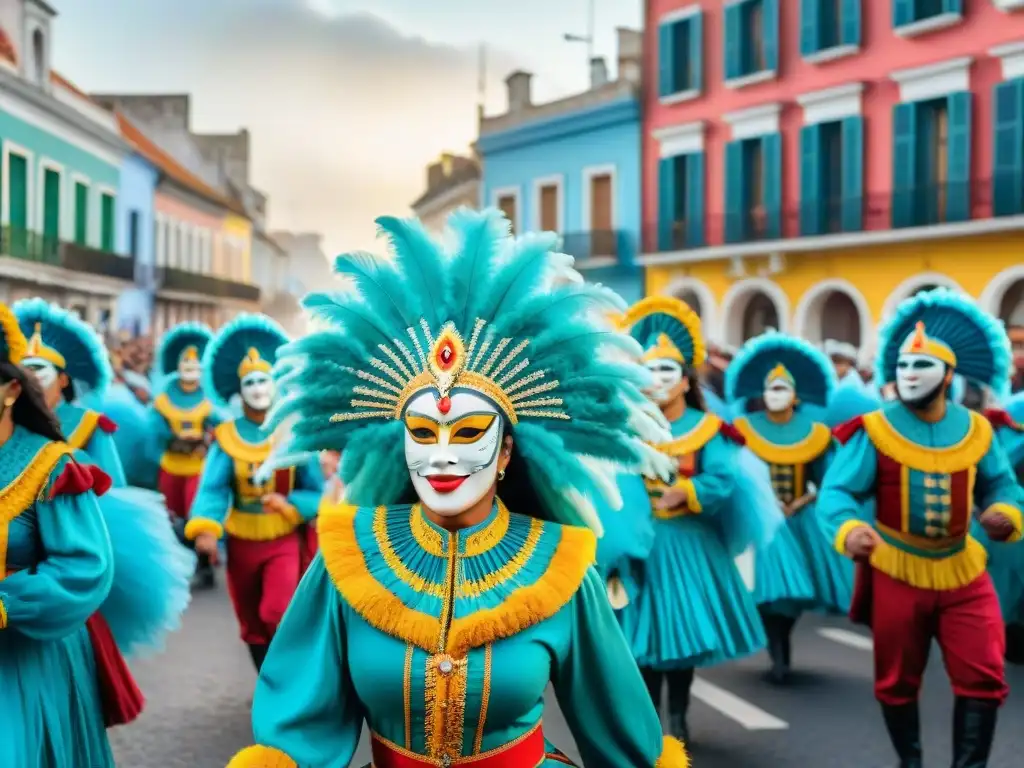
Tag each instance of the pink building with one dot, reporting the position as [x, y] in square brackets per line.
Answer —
[797, 131]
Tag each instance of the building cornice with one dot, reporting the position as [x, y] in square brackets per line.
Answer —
[430, 206]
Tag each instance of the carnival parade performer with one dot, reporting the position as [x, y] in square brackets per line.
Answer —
[150, 591]
[928, 462]
[693, 608]
[782, 386]
[62, 679]
[449, 377]
[261, 520]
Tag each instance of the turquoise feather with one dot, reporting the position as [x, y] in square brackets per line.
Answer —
[228, 349]
[813, 372]
[177, 340]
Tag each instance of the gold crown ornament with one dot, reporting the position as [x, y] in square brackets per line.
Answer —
[37, 349]
[253, 363]
[779, 372]
[920, 343]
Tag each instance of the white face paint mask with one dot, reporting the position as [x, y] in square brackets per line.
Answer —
[778, 396]
[452, 457]
[918, 376]
[46, 373]
[667, 376]
[189, 371]
[258, 391]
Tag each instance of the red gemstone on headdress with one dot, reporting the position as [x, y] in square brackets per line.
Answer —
[446, 356]
[444, 404]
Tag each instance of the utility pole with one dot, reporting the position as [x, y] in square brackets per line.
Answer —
[481, 83]
[587, 38]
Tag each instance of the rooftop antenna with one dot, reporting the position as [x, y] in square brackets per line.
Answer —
[481, 83]
[587, 38]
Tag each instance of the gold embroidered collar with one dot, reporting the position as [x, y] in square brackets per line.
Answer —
[956, 458]
[698, 436]
[238, 448]
[801, 452]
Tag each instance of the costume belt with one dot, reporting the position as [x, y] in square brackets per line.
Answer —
[527, 751]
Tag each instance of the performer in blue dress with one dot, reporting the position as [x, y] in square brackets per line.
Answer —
[693, 609]
[782, 385]
[446, 378]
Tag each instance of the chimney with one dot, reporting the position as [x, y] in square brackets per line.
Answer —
[435, 175]
[598, 72]
[518, 84]
[630, 53]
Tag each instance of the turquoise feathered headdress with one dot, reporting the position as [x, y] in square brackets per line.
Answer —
[495, 315]
[775, 354]
[66, 341]
[247, 343]
[666, 328]
[12, 340]
[176, 341]
[949, 326]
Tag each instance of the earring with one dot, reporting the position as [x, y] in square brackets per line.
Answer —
[501, 474]
[8, 402]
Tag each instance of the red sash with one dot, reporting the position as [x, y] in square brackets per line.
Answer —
[529, 750]
[120, 697]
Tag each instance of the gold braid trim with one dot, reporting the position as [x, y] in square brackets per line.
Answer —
[673, 754]
[956, 458]
[524, 607]
[231, 442]
[27, 487]
[695, 439]
[262, 757]
[84, 431]
[801, 452]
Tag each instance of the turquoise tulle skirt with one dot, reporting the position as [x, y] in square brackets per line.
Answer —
[1006, 567]
[151, 571]
[831, 574]
[628, 531]
[782, 582]
[50, 713]
[131, 438]
[693, 609]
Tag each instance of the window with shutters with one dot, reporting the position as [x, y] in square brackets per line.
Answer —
[680, 55]
[108, 227]
[681, 203]
[81, 213]
[548, 202]
[753, 188]
[832, 175]
[51, 205]
[1008, 148]
[916, 17]
[829, 29]
[751, 41]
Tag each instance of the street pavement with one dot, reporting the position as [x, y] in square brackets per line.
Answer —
[199, 692]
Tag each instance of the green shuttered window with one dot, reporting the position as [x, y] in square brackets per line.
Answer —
[81, 213]
[681, 202]
[681, 55]
[107, 226]
[17, 191]
[753, 188]
[1008, 148]
[829, 24]
[51, 204]
[751, 42]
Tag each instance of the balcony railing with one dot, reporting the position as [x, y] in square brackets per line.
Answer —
[917, 206]
[175, 279]
[594, 245]
[26, 245]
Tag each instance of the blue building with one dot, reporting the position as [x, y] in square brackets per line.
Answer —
[572, 166]
[135, 238]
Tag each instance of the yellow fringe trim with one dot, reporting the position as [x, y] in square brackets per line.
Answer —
[1014, 515]
[675, 308]
[695, 439]
[802, 452]
[941, 573]
[84, 431]
[232, 443]
[3, 615]
[26, 488]
[197, 526]
[261, 757]
[673, 754]
[839, 542]
[523, 608]
[956, 458]
[260, 526]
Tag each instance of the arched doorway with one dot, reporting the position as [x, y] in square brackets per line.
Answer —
[840, 319]
[1011, 307]
[759, 315]
[924, 288]
[692, 300]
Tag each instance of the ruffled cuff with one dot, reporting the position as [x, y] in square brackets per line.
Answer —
[673, 754]
[692, 502]
[1012, 514]
[262, 757]
[197, 526]
[844, 531]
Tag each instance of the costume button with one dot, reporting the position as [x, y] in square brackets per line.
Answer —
[445, 667]
[446, 762]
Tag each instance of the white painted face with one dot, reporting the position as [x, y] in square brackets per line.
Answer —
[46, 373]
[453, 456]
[778, 395]
[258, 391]
[668, 376]
[918, 376]
[189, 370]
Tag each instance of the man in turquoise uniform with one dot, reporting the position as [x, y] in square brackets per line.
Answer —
[927, 463]
[262, 520]
[450, 376]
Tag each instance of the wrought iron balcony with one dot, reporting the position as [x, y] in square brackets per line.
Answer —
[594, 245]
[26, 245]
[175, 279]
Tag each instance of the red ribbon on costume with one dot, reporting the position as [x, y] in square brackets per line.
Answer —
[529, 750]
[120, 697]
[78, 478]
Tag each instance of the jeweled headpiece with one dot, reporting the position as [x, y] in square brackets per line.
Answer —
[37, 348]
[919, 343]
[780, 373]
[668, 329]
[494, 316]
[774, 355]
[247, 344]
[175, 343]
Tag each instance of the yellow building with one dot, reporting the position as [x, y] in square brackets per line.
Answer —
[841, 286]
[236, 249]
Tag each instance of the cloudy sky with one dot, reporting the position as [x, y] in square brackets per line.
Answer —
[347, 100]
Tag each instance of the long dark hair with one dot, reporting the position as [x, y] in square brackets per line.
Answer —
[30, 410]
[694, 397]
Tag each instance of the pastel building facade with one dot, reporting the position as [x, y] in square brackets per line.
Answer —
[807, 164]
[572, 166]
[453, 182]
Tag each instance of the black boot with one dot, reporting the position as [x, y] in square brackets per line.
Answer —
[653, 680]
[258, 653]
[788, 624]
[904, 726]
[974, 726]
[679, 683]
[1015, 643]
[204, 577]
[775, 629]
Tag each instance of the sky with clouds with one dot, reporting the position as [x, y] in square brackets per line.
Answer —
[347, 100]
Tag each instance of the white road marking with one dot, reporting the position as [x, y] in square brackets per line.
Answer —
[743, 712]
[846, 637]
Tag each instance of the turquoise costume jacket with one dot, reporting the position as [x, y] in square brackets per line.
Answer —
[444, 644]
[55, 572]
[228, 498]
[926, 480]
[177, 414]
[90, 431]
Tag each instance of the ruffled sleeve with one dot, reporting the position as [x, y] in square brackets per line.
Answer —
[73, 577]
[602, 694]
[305, 711]
[712, 487]
[997, 489]
[847, 487]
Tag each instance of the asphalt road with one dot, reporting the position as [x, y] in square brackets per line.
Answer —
[200, 689]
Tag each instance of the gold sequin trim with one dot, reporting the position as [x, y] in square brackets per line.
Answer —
[415, 582]
[407, 694]
[485, 700]
[508, 571]
[444, 701]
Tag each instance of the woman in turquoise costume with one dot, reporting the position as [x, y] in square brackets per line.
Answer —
[446, 377]
[782, 386]
[693, 609]
[55, 572]
[264, 522]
